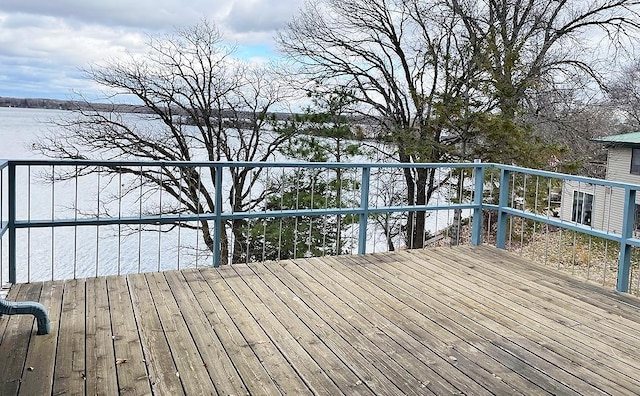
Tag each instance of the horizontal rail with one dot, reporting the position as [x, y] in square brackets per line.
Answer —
[566, 176]
[246, 164]
[470, 192]
[171, 219]
[311, 165]
[567, 225]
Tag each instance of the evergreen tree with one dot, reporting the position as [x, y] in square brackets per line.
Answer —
[323, 134]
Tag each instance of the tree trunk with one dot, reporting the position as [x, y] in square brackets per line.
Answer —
[238, 228]
[421, 199]
[209, 241]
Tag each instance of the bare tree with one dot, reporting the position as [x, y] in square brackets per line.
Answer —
[568, 120]
[204, 106]
[543, 62]
[624, 94]
[527, 44]
[402, 66]
[447, 79]
[549, 53]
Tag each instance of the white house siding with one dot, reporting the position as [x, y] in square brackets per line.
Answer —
[619, 166]
[608, 205]
[601, 203]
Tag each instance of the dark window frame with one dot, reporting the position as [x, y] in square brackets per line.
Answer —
[582, 207]
[634, 168]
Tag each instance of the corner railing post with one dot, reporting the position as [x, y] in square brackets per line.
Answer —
[503, 201]
[624, 260]
[476, 230]
[364, 207]
[11, 222]
[217, 238]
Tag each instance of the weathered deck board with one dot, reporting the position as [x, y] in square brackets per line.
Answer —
[157, 352]
[37, 375]
[69, 373]
[215, 358]
[577, 347]
[130, 364]
[465, 320]
[534, 340]
[309, 371]
[342, 337]
[15, 345]
[461, 336]
[592, 321]
[432, 371]
[255, 338]
[100, 356]
[189, 365]
[331, 365]
[430, 324]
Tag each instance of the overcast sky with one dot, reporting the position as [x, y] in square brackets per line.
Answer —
[43, 43]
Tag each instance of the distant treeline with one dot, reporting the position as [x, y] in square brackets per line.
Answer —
[56, 104]
[39, 103]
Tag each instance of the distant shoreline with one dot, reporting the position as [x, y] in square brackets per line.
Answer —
[75, 105]
[57, 104]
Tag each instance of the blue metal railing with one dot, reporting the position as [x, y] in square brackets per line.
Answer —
[473, 192]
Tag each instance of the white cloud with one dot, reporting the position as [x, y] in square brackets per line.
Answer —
[44, 43]
[139, 14]
[258, 16]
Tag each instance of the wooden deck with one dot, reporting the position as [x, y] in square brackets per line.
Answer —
[466, 320]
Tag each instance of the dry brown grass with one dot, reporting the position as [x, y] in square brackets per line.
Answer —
[590, 258]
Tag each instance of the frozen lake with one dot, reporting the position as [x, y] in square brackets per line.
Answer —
[19, 128]
[89, 251]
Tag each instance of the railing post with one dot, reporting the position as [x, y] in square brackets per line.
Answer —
[11, 222]
[217, 238]
[364, 207]
[476, 230]
[503, 201]
[624, 260]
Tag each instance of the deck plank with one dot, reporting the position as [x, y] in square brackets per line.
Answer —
[69, 375]
[598, 324]
[269, 294]
[250, 368]
[303, 322]
[130, 364]
[360, 340]
[439, 372]
[619, 310]
[310, 372]
[190, 367]
[300, 300]
[463, 320]
[532, 338]
[470, 362]
[449, 313]
[37, 379]
[157, 353]
[280, 370]
[11, 296]
[101, 374]
[215, 358]
[454, 330]
[16, 341]
[577, 347]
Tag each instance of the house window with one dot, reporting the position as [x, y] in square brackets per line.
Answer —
[635, 161]
[582, 206]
